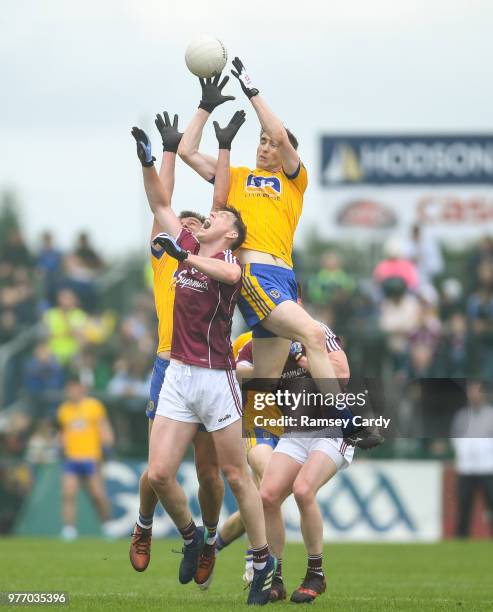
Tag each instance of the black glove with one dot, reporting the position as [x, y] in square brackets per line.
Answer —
[212, 95]
[143, 147]
[226, 135]
[169, 133]
[245, 81]
[171, 247]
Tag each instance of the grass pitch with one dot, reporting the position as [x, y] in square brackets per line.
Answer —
[97, 576]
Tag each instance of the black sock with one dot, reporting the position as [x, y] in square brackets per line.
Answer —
[315, 564]
[188, 532]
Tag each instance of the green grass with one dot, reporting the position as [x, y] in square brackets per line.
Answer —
[377, 577]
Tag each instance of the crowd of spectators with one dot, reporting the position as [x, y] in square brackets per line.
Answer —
[54, 293]
[409, 319]
[412, 317]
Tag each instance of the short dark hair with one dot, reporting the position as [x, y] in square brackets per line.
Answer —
[291, 137]
[185, 214]
[239, 226]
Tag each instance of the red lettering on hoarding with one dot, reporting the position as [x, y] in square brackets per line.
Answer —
[454, 210]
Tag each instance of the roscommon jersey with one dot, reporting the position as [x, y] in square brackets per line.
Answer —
[164, 268]
[270, 204]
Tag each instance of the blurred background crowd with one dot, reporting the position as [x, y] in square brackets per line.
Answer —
[412, 310]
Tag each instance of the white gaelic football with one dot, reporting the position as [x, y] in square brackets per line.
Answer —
[206, 57]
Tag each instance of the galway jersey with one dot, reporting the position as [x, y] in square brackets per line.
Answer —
[163, 269]
[270, 204]
[292, 370]
[203, 312]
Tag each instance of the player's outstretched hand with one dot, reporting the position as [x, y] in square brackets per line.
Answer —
[226, 135]
[212, 93]
[144, 151]
[245, 81]
[170, 245]
[169, 133]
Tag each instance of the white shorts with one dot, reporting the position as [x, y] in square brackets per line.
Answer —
[200, 395]
[300, 449]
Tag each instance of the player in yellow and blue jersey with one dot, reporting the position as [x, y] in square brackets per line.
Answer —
[85, 431]
[270, 200]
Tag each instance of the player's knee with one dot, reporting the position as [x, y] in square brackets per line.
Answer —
[271, 500]
[159, 479]
[68, 497]
[303, 493]
[99, 498]
[236, 478]
[209, 477]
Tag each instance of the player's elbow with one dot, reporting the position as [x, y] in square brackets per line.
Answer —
[279, 135]
[160, 204]
[184, 156]
[185, 152]
[233, 276]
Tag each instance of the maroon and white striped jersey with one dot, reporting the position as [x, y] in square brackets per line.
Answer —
[203, 312]
[292, 369]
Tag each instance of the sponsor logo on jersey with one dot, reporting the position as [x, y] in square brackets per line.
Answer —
[184, 281]
[269, 185]
[296, 373]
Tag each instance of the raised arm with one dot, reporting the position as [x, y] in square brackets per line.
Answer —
[212, 96]
[270, 123]
[157, 195]
[203, 164]
[222, 180]
[171, 138]
[225, 137]
[218, 269]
